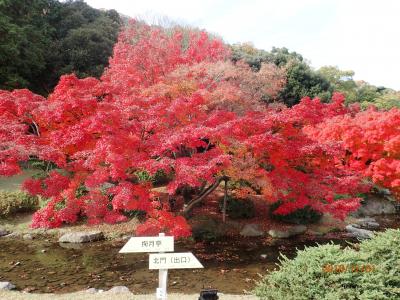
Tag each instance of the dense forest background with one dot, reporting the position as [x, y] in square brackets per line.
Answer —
[43, 39]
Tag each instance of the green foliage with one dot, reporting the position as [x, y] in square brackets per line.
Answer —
[305, 215]
[139, 214]
[159, 178]
[341, 81]
[206, 228]
[81, 191]
[38, 164]
[24, 40]
[329, 272]
[143, 176]
[14, 202]
[384, 101]
[43, 39]
[252, 56]
[238, 208]
[360, 91]
[302, 80]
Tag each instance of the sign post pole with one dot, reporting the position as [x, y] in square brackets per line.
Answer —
[161, 293]
[160, 260]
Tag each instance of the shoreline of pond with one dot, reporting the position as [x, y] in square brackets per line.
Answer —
[10, 295]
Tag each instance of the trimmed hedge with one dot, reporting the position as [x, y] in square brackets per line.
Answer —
[305, 215]
[238, 208]
[329, 272]
[14, 202]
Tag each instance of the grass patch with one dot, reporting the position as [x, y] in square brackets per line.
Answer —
[16, 202]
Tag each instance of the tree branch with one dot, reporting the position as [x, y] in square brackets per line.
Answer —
[187, 208]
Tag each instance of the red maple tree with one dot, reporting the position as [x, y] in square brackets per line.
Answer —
[371, 139]
[171, 101]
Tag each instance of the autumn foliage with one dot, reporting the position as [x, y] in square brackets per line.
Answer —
[372, 142]
[172, 101]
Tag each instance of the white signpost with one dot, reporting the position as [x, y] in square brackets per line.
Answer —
[184, 260]
[161, 261]
[149, 244]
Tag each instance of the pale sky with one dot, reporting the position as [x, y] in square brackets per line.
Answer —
[360, 35]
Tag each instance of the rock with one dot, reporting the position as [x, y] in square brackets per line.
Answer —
[5, 285]
[279, 234]
[264, 256]
[92, 291]
[251, 230]
[292, 231]
[359, 232]
[81, 237]
[14, 235]
[27, 236]
[366, 219]
[368, 223]
[375, 206]
[4, 232]
[372, 225]
[298, 229]
[119, 290]
[126, 237]
[29, 289]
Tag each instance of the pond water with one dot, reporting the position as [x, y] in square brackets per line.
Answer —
[231, 266]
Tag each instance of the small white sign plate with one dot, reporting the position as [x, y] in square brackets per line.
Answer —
[149, 244]
[184, 260]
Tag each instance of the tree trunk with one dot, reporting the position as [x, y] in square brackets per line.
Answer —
[187, 209]
[225, 200]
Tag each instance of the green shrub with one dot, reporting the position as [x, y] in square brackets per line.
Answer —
[208, 229]
[161, 178]
[329, 272]
[14, 202]
[305, 215]
[238, 208]
[140, 214]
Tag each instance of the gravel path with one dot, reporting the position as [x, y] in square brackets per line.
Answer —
[107, 296]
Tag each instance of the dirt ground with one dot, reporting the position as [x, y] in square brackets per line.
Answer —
[107, 296]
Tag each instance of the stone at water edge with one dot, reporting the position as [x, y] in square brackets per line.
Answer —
[28, 236]
[371, 225]
[81, 237]
[375, 206]
[298, 229]
[282, 234]
[359, 232]
[4, 231]
[251, 230]
[368, 223]
[93, 291]
[121, 289]
[5, 285]
[279, 234]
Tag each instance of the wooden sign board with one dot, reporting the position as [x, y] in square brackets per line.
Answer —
[184, 260]
[149, 244]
